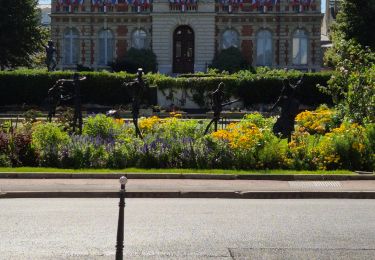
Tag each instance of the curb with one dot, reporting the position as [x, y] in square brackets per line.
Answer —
[203, 195]
[279, 177]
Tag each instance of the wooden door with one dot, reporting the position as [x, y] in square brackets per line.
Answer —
[183, 50]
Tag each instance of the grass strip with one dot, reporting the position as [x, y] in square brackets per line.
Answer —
[171, 171]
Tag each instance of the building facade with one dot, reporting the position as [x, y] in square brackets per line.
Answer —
[186, 35]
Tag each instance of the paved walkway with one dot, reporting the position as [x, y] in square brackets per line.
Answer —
[181, 185]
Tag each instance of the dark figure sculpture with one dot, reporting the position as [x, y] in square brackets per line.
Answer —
[63, 90]
[51, 56]
[289, 104]
[217, 105]
[137, 87]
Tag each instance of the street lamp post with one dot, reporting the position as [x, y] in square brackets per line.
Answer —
[120, 226]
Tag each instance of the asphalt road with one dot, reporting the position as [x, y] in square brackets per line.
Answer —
[188, 229]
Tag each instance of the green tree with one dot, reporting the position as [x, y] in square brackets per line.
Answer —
[353, 57]
[230, 60]
[136, 58]
[356, 20]
[353, 85]
[20, 32]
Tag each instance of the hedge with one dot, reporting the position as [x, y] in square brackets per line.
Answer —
[30, 87]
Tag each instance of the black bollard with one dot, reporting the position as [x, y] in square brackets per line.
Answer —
[120, 226]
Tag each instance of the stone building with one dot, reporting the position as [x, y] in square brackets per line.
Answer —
[185, 35]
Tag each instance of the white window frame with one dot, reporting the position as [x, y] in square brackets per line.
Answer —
[145, 39]
[264, 38]
[223, 36]
[300, 53]
[105, 36]
[71, 39]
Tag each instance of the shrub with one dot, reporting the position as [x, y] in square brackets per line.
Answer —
[23, 153]
[101, 126]
[47, 139]
[343, 148]
[136, 58]
[230, 60]
[320, 121]
[30, 86]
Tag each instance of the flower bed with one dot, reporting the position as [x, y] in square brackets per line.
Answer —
[319, 142]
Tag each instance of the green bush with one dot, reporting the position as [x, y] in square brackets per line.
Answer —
[47, 139]
[230, 60]
[101, 126]
[30, 87]
[136, 58]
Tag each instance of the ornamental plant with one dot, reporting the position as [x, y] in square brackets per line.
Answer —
[47, 139]
[102, 126]
[343, 148]
[320, 121]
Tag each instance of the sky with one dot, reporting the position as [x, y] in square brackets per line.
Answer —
[49, 2]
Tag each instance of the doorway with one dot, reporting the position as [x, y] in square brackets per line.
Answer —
[183, 50]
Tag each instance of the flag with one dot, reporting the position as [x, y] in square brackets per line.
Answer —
[306, 2]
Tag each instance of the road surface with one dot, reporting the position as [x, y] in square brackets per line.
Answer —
[188, 229]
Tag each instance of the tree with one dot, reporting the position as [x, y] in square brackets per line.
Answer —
[230, 60]
[134, 59]
[356, 20]
[353, 85]
[20, 32]
[352, 55]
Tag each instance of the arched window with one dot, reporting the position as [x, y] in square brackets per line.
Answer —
[139, 39]
[105, 47]
[264, 48]
[71, 46]
[229, 38]
[300, 40]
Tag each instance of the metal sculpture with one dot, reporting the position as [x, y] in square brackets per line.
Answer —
[137, 87]
[51, 56]
[64, 90]
[217, 99]
[289, 104]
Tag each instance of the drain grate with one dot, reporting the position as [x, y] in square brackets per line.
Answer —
[300, 253]
[315, 185]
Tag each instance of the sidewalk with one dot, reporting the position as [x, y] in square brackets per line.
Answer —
[189, 188]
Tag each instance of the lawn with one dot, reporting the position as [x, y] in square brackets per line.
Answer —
[169, 171]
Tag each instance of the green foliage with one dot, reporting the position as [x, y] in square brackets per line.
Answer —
[259, 120]
[176, 143]
[136, 58]
[20, 32]
[353, 85]
[101, 126]
[230, 60]
[47, 139]
[356, 20]
[31, 86]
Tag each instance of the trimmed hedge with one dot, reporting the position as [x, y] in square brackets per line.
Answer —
[31, 86]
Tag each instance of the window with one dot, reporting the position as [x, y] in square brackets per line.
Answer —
[229, 39]
[71, 46]
[300, 47]
[105, 47]
[139, 39]
[264, 48]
